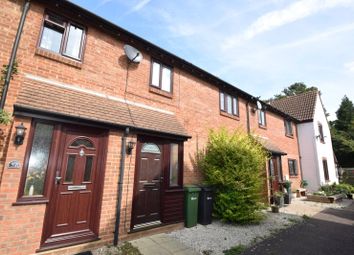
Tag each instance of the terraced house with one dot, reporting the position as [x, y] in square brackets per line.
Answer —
[109, 143]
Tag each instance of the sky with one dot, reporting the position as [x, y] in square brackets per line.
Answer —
[259, 46]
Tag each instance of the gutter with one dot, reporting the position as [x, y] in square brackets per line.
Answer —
[120, 187]
[26, 8]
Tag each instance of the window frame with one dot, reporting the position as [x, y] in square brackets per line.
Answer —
[64, 41]
[259, 118]
[162, 65]
[325, 169]
[21, 199]
[233, 99]
[296, 172]
[289, 134]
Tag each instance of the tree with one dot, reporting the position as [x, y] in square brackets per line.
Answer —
[345, 115]
[342, 132]
[294, 89]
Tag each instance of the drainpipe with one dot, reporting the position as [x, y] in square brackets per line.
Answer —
[248, 117]
[120, 186]
[26, 7]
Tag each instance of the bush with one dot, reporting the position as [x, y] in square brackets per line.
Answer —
[334, 189]
[234, 165]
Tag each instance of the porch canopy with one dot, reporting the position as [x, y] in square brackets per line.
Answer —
[40, 96]
[270, 146]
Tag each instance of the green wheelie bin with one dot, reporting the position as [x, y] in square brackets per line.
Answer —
[191, 194]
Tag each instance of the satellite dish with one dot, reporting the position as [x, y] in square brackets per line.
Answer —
[133, 54]
[259, 105]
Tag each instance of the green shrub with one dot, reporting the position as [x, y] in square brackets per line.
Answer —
[5, 117]
[234, 165]
[334, 189]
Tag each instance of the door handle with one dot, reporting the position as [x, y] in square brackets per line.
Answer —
[57, 179]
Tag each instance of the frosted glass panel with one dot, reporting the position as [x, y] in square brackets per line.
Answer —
[38, 161]
[174, 165]
[88, 168]
[150, 148]
[82, 142]
[70, 168]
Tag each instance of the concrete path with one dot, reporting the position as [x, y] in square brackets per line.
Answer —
[331, 231]
[162, 244]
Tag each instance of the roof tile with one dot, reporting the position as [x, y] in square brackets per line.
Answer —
[301, 107]
[42, 96]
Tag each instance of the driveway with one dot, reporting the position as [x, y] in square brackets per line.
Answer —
[330, 231]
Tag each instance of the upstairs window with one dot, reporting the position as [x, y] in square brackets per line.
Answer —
[292, 167]
[288, 128]
[262, 118]
[320, 133]
[229, 104]
[161, 76]
[62, 36]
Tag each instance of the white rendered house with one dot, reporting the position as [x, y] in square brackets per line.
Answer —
[316, 152]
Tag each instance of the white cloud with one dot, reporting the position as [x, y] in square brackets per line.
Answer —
[349, 66]
[140, 5]
[291, 13]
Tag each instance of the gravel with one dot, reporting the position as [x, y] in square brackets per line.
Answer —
[218, 236]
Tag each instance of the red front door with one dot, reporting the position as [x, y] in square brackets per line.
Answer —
[146, 204]
[275, 173]
[73, 211]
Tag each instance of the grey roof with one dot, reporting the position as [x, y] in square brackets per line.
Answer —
[301, 107]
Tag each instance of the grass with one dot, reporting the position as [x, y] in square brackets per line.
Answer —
[305, 217]
[238, 249]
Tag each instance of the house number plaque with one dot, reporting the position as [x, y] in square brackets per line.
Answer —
[14, 164]
[76, 187]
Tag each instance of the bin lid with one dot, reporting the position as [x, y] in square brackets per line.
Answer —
[191, 188]
[206, 188]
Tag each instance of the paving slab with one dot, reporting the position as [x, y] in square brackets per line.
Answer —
[162, 244]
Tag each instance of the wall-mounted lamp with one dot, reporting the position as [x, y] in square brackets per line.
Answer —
[130, 147]
[20, 134]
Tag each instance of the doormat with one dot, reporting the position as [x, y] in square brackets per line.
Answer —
[84, 253]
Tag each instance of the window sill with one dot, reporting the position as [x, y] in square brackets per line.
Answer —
[58, 58]
[30, 202]
[160, 92]
[262, 127]
[225, 114]
[293, 176]
[290, 136]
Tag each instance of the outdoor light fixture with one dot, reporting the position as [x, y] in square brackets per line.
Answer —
[20, 134]
[130, 147]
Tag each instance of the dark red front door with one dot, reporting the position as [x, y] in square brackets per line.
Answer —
[73, 211]
[275, 173]
[146, 204]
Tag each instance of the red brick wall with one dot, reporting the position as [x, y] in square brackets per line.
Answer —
[195, 102]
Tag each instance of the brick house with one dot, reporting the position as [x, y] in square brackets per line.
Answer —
[109, 144]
